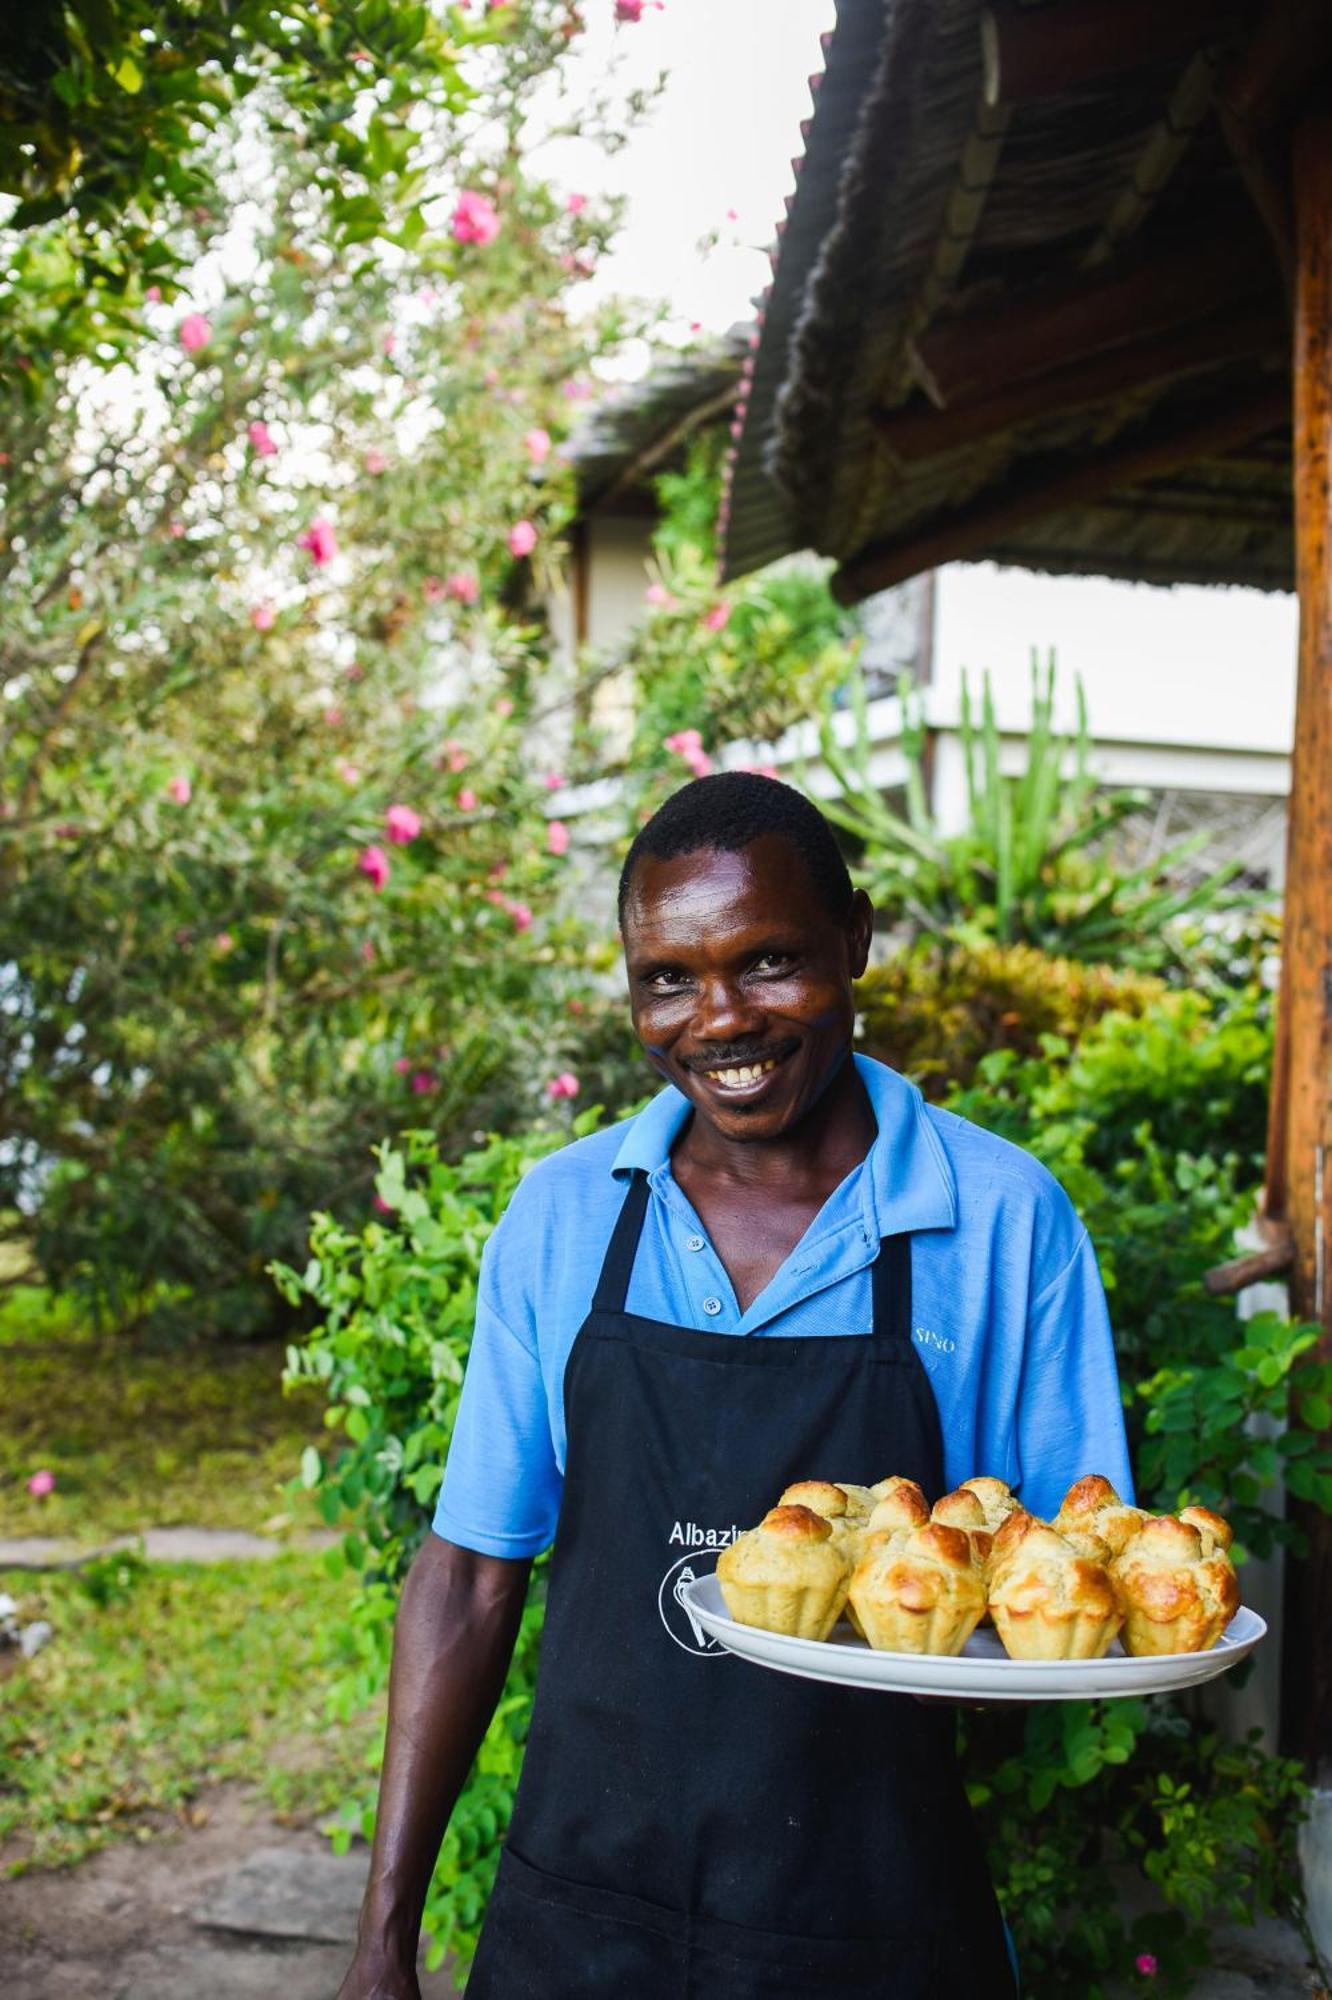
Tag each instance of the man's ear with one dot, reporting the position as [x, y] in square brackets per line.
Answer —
[859, 931]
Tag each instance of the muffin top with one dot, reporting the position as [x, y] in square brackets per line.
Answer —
[794, 1525]
[821, 1496]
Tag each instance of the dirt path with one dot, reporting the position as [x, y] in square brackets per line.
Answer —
[237, 1908]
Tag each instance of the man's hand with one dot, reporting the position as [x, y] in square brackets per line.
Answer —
[452, 1644]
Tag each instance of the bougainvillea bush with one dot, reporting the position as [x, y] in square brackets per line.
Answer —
[277, 865]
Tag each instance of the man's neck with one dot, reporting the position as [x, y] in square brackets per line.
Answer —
[818, 1153]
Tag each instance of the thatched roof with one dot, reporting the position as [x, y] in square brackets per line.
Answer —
[1030, 303]
[641, 428]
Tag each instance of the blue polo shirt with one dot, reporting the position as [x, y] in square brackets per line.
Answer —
[1008, 1309]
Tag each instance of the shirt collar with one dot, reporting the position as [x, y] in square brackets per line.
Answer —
[908, 1179]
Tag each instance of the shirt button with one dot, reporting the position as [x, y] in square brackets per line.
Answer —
[712, 1307]
[693, 1242]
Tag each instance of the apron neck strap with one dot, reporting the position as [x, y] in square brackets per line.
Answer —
[890, 1273]
[613, 1284]
[891, 1282]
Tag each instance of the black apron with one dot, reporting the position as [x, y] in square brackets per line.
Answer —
[689, 1826]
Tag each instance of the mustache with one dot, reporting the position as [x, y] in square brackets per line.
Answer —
[737, 1055]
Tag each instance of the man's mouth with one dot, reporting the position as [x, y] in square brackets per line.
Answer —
[740, 1076]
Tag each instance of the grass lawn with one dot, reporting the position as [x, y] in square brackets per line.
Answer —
[184, 1676]
[139, 1439]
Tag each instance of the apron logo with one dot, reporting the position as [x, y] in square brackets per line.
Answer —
[676, 1615]
[940, 1342]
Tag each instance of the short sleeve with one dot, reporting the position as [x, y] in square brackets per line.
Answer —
[1070, 1418]
[502, 1485]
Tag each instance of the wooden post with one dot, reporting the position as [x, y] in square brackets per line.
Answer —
[1303, 1125]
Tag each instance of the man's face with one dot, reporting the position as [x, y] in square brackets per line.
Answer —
[740, 982]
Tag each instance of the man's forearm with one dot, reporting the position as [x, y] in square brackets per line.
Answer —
[453, 1640]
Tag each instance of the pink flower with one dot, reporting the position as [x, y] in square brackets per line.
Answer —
[355, 671]
[522, 539]
[576, 391]
[433, 590]
[761, 770]
[718, 618]
[699, 763]
[360, 56]
[195, 332]
[461, 587]
[553, 781]
[696, 326]
[42, 1483]
[153, 295]
[376, 461]
[402, 1065]
[574, 204]
[368, 952]
[390, 342]
[263, 617]
[423, 1082]
[402, 825]
[223, 943]
[577, 1007]
[454, 757]
[685, 742]
[657, 595]
[563, 1085]
[333, 717]
[557, 837]
[176, 530]
[320, 540]
[504, 706]
[475, 219]
[349, 773]
[382, 1207]
[538, 446]
[374, 863]
[467, 800]
[1145, 1964]
[629, 10]
[180, 789]
[261, 439]
[520, 915]
[731, 215]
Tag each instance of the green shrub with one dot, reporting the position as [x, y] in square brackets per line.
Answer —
[934, 1011]
[398, 1299]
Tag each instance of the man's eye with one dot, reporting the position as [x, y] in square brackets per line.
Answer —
[666, 981]
[773, 961]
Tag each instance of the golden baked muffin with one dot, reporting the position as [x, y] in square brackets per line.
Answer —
[962, 1509]
[825, 1497]
[1215, 1529]
[790, 1574]
[902, 1506]
[918, 1592]
[1177, 1597]
[1048, 1602]
[1092, 1504]
[1008, 1536]
[997, 1498]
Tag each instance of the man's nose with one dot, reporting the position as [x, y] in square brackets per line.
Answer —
[725, 1012]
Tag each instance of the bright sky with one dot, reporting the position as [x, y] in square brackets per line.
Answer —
[720, 139]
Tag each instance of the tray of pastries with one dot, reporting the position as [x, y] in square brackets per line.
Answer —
[975, 1597]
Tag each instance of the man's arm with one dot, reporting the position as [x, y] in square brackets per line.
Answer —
[452, 1642]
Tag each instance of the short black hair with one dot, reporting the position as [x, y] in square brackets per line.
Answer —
[728, 811]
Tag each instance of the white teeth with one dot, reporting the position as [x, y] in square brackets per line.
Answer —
[739, 1079]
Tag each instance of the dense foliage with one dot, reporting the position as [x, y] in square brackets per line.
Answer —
[275, 848]
[1153, 1120]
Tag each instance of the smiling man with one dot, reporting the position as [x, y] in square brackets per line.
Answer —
[788, 1266]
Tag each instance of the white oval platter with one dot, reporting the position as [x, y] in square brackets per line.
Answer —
[981, 1672]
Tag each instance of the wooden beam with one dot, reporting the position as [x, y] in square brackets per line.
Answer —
[1225, 1280]
[968, 354]
[1160, 154]
[1078, 484]
[1306, 992]
[1032, 53]
[921, 431]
